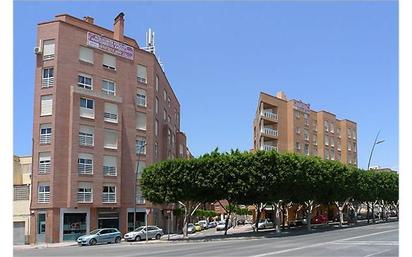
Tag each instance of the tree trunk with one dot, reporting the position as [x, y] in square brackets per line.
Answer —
[227, 221]
[309, 204]
[373, 212]
[340, 210]
[367, 213]
[277, 215]
[258, 212]
[185, 223]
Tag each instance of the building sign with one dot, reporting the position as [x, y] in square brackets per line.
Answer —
[301, 106]
[110, 46]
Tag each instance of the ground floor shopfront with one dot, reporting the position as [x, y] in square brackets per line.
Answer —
[67, 224]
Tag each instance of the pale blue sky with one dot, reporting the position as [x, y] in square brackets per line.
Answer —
[337, 56]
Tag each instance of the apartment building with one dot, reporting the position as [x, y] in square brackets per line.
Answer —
[103, 111]
[22, 166]
[292, 126]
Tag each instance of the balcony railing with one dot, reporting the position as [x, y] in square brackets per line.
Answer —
[268, 147]
[47, 82]
[109, 198]
[44, 167]
[84, 197]
[109, 171]
[269, 115]
[43, 197]
[269, 131]
[45, 139]
[85, 168]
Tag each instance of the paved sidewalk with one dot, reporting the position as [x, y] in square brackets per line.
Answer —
[43, 245]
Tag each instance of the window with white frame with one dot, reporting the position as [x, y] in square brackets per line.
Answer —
[326, 154]
[338, 145]
[109, 62]
[326, 140]
[141, 74]
[314, 140]
[142, 166]
[110, 139]
[349, 146]
[180, 150]
[306, 149]
[48, 49]
[326, 125]
[173, 141]
[139, 196]
[332, 142]
[47, 79]
[338, 156]
[156, 149]
[141, 120]
[109, 194]
[86, 54]
[156, 128]
[156, 105]
[157, 83]
[87, 108]
[46, 107]
[314, 150]
[332, 128]
[164, 114]
[354, 146]
[85, 81]
[86, 136]
[43, 193]
[85, 164]
[141, 97]
[297, 146]
[332, 155]
[305, 134]
[298, 130]
[164, 95]
[108, 87]
[110, 112]
[45, 133]
[44, 162]
[140, 145]
[109, 165]
[84, 193]
[354, 134]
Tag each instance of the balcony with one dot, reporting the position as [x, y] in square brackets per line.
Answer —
[269, 131]
[269, 115]
[264, 147]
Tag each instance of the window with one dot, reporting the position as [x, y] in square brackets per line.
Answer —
[47, 77]
[43, 193]
[164, 95]
[86, 54]
[141, 97]
[45, 134]
[305, 116]
[140, 168]
[338, 132]
[349, 133]
[110, 112]
[156, 128]
[354, 146]
[84, 193]
[21, 192]
[157, 83]
[109, 194]
[110, 139]
[173, 141]
[44, 162]
[314, 140]
[332, 142]
[338, 156]
[169, 137]
[338, 145]
[354, 134]
[326, 140]
[109, 165]
[180, 150]
[305, 134]
[46, 107]
[85, 164]
[326, 124]
[141, 74]
[156, 149]
[298, 130]
[109, 62]
[140, 145]
[108, 87]
[332, 128]
[168, 118]
[141, 120]
[297, 146]
[306, 149]
[297, 114]
[326, 154]
[315, 126]
[86, 136]
[168, 102]
[85, 81]
[48, 49]
[156, 105]
[349, 146]
[332, 155]
[164, 114]
[87, 108]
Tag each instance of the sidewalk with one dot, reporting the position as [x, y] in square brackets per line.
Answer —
[43, 245]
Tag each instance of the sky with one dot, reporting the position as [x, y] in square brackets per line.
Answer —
[218, 56]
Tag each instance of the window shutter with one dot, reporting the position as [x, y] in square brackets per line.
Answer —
[48, 49]
[85, 156]
[110, 139]
[44, 156]
[85, 185]
[141, 120]
[110, 108]
[142, 71]
[86, 54]
[109, 60]
[110, 161]
[86, 129]
[46, 105]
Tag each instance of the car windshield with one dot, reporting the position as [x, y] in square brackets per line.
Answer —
[190, 224]
[94, 231]
[139, 228]
[222, 222]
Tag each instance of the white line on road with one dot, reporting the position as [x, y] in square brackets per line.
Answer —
[369, 255]
[367, 243]
[323, 243]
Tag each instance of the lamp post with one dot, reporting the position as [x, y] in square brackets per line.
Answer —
[139, 148]
[376, 142]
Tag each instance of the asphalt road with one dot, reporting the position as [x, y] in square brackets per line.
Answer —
[366, 241]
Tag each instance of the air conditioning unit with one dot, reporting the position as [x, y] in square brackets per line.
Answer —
[37, 50]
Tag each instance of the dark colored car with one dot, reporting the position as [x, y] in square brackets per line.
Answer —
[320, 219]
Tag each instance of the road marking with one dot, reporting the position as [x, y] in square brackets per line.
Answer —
[369, 255]
[369, 243]
[319, 244]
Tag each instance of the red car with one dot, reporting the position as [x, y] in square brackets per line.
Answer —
[320, 219]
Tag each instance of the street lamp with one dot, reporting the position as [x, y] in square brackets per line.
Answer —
[373, 147]
[139, 150]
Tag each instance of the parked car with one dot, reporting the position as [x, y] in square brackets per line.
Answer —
[198, 227]
[298, 222]
[221, 225]
[241, 222]
[203, 224]
[320, 219]
[101, 236]
[264, 224]
[212, 224]
[140, 233]
[191, 228]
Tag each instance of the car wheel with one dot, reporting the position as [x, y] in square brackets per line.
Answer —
[92, 241]
[158, 236]
[137, 238]
[118, 240]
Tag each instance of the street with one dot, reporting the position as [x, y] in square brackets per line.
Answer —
[366, 241]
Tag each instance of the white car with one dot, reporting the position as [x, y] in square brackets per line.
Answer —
[221, 225]
[264, 224]
[140, 233]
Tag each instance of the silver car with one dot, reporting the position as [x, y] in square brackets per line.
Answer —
[140, 233]
[101, 236]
